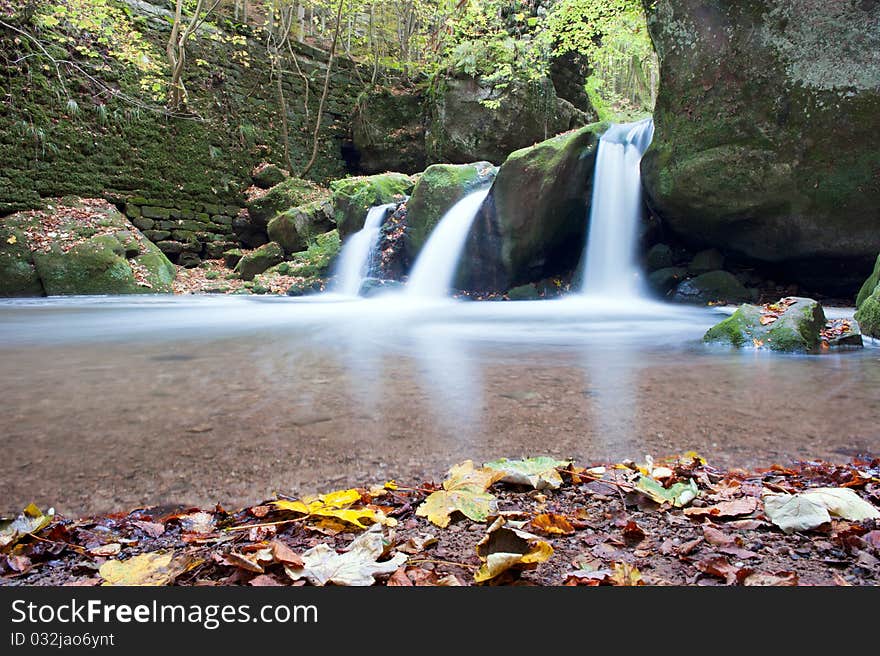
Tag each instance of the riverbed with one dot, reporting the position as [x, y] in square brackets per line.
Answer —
[118, 402]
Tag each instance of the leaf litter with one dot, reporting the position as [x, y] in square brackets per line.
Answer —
[678, 522]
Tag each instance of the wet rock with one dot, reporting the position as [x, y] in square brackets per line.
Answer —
[293, 228]
[439, 188]
[659, 256]
[352, 197]
[665, 280]
[713, 287]
[868, 304]
[705, 261]
[797, 328]
[524, 293]
[259, 260]
[766, 126]
[376, 287]
[232, 257]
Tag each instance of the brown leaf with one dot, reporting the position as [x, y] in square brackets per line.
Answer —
[768, 319]
[735, 508]
[720, 567]
[285, 555]
[153, 529]
[399, 579]
[265, 581]
[19, 563]
[242, 562]
[686, 548]
[633, 533]
[552, 524]
[778, 579]
[260, 511]
[106, 549]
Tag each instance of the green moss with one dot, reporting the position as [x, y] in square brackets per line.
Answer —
[352, 197]
[96, 266]
[260, 260]
[160, 271]
[293, 192]
[439, 188]
[293, 229]
[735, 329]
[870, 284]
[868, 314]
[313, 263]
[796, 330]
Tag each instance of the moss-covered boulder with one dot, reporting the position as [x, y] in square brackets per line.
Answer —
[293, 229]
[439, 188]
[18, 276]
[659, 256]
[352, 197]
[293, 192]
[707, 260]
[533, 223]
[259, 260]
[713, 287]
[868, 304]
[267, 175]
[473, 119]
[312, 265]
[793, 324]
[79, 246]
[388, 131]
[766, 131]
[663, 281]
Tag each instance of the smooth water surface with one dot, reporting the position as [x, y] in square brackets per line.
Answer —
[112, 403]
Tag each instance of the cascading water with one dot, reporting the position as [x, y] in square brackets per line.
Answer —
[434, 270]
[609, 258]
[354, 259]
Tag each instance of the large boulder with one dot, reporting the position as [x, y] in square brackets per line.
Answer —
[388, 131]
[439, 188]
[713, 287]
[766, 132]
[533, 223]
[259, 260]
[292, 192]
[294, 228]
[79, 247]
[792, 324]
[471, 119]
[352, 197]
[868, 304]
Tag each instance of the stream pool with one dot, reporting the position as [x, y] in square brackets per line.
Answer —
[117, 402]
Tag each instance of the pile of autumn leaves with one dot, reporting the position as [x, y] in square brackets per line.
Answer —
[514, 541]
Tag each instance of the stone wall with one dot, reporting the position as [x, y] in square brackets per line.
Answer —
[178, 166]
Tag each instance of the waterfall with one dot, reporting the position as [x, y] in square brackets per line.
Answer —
[354, 260]
[434, 270]
[609, 257]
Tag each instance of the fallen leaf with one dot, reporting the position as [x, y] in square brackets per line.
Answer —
[735, 508]
[284, 554]
[768, 319]
[154, 568]
[357, 566]
[552, 524]
[264, 581]
[19, 563]
[464, 491]
[418, 577]
[721, 567]
[778, 579]
[625, 574]
[620, 574]
[153, 529]
[418, 543]
[197, 522]
[339, 505]
[30, 520]
[810, 509]
[633, 533]
[505, 548]
[540, 472]
[242, 562]
[679, 494]
[111, 549]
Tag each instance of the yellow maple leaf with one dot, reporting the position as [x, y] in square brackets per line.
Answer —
[154, 568]
[336, 505]
[12, 240]
[506, 548]
[464, 491]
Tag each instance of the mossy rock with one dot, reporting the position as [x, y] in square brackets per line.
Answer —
[659, 256]
[314, 262]
[294, 228]
[388, 131]
[708, 260]
[532, 225]
[18, 276]
[260, 260]
[439, 188]
[798, 329]
[766, 129]
[870, 284]
[868, 314]
[94, 250]
[232, 257]
[524, 293]
[266, 176]
[293, 192]
[713, 287]
[665, 280]
[352, 197]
